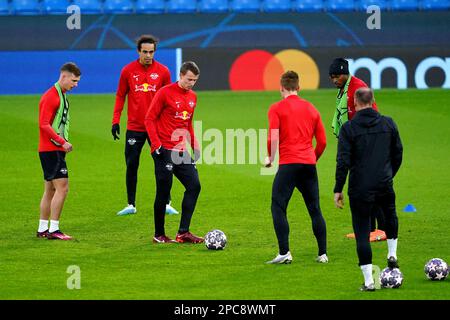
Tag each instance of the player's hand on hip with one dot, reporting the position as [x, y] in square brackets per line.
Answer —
[67, 147]
[339, 200]
[115, 131]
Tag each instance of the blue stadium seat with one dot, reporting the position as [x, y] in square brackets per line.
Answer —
[341, 5]
[55, 6]
[435, 4]
[308, 5]
[245, 5]
[404, 5]
[89, 6]
[213, 6]
[182, 6]
[277, 5]
[4, 7]
[383, 4]
[26, 7]
[150, 6]
[118, 6]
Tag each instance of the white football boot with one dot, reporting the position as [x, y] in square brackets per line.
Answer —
[130, 209]
[281, 259]
[322, 259]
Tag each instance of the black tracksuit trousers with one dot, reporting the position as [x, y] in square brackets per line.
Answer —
[167, 165]
[304, 178]
[361, 214]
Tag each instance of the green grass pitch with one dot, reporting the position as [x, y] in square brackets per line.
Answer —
[117, 258]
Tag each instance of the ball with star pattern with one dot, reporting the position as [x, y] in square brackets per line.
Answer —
[391, 278]
[215, 240]
[436, 269]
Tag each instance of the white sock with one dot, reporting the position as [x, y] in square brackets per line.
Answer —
[367, 272]
[392, 248]
[54, 225]
[43, 225]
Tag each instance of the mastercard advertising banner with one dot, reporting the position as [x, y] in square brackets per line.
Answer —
[260, 69]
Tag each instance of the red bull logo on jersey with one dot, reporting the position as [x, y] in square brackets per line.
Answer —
[145, 87]
[183, 115]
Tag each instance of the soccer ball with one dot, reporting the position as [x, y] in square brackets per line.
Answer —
[436, 269]
[215, 240]
[391, 278]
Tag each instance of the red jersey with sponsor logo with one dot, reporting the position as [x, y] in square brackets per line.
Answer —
[48, 107]
[355, 84]
[140, 84]
[297, 122]
[169, 118]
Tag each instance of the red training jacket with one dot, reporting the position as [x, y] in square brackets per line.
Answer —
[48, 107]
[169, 118]
[141, 85]
[298, 122]
[355, 84]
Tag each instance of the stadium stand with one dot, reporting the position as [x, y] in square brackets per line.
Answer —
[4, 7]
[436, 5]
[89, 6]
[277, 5]
[182, 6]
[405, 5]
[150, 6]
[364, 4]
[308, 6]
[118, 6]
[26, 7]
[38, 7]
[55, 6]
[245, 6]
[340, 5]
[213, 6]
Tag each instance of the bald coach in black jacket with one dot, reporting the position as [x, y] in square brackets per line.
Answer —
[370, 148]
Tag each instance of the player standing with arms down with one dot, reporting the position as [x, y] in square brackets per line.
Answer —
[169, 125]
[139, 80]
[53, 145]
[293, 123]
[345, 110]
[370, 148]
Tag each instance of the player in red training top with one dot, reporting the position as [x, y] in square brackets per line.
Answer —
[139, 80]
[54, 143]
[169, 125]
[345, 110]
[293, 123]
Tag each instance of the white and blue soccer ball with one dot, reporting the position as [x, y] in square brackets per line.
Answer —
[215, 240]
[391, 278]
[436, 269]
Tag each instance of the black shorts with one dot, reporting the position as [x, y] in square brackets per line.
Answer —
[54, 165]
